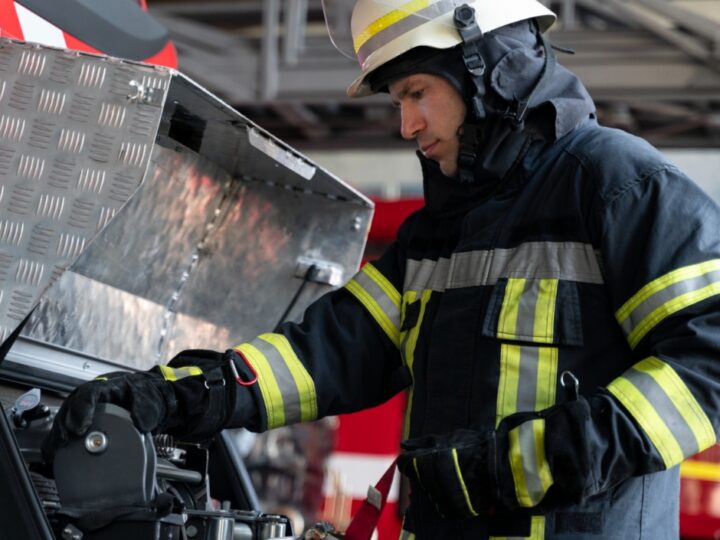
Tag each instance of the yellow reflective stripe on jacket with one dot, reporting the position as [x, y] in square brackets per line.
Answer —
[269, 389]
[461, 481]
[528, 374]
[406, 535]
[175, 374]
[409, 337]
[380, 298]
[507, 324]
[530, 470]
[417, 472]
[537, 531]
[667, 295]
[665, 409]
[304, 386]
[544, 325]
[547, 368]
[528, 310]
[287, 389]
[407, 347]
[509, 383]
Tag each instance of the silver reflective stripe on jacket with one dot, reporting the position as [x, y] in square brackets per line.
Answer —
[569, 261]
[530, 470]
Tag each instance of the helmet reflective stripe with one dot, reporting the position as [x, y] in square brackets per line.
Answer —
[398, 22]
[388, 20]
[385, 29]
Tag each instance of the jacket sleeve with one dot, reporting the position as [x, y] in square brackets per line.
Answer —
[341, 358]
[660, 250]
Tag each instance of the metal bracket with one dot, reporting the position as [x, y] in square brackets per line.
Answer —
[284, 156]
[145, 95]
[325, 271]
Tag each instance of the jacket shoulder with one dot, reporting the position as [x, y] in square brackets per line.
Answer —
[615, 159]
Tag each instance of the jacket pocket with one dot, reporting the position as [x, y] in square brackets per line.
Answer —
[531, 319]
[540, 311]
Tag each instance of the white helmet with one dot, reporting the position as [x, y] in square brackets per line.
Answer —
[378, 31]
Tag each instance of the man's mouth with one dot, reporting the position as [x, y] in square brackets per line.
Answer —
[427, 150]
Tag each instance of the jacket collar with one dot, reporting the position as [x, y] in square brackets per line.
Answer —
[563, 104]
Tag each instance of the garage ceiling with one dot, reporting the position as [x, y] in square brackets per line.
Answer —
[653, 67]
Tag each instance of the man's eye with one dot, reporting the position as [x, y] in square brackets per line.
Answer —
[416, 94]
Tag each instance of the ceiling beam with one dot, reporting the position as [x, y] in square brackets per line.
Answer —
[708, 29]
[303, 118]
[665, 28]
[652, 69]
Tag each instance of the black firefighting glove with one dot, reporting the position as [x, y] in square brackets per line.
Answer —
[457, 471]
[576, 449]
[193, 398]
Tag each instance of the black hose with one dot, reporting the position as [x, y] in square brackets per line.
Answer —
[306, 279]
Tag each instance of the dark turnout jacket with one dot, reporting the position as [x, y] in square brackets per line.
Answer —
[589, 253]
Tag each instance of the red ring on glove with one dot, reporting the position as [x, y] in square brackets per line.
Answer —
[237, 375]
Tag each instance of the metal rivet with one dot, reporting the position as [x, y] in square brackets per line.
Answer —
[96, 442]
[192, 531]
[140, 93]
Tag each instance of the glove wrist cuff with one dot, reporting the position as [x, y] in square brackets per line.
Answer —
[207, 399]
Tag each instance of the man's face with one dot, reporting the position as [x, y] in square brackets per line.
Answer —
[431, 112]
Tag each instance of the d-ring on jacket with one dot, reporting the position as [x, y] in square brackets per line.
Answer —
[594, 255]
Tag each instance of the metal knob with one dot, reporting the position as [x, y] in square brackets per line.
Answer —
[96, 442]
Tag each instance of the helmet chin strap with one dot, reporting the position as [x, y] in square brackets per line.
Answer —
[471, 130]
[473, 58]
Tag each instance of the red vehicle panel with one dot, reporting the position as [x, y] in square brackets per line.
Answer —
[61, 24]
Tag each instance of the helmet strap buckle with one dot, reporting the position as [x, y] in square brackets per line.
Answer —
[474, 63]
[515, 115]
[472, 36]
[476, 66]
[468, 152]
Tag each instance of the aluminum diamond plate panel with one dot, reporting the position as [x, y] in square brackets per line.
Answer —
[76, 134]
[162, 218]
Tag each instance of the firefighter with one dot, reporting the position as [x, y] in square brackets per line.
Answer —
[553, 310]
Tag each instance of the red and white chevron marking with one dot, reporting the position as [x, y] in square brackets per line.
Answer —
[18, 22]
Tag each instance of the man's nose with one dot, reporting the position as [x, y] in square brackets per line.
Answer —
[411, 122]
